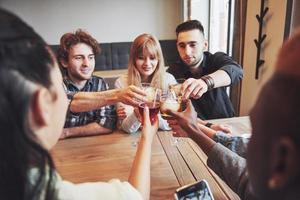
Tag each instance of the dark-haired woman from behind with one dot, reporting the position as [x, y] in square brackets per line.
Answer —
[33, 106]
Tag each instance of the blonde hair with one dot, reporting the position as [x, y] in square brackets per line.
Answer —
[146, 43]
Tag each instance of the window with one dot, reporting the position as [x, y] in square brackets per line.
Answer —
[215, 17]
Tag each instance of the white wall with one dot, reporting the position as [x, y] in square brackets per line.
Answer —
[274, 28]
[106, 20]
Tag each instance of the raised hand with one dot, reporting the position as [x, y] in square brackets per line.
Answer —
[121, 113]
[149, 130]
[193, 88]
[217, 127]
[221, 127]
[132, 95]
[177, 130]
[187, 119]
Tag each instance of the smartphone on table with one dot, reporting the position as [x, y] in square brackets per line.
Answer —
[195, 191]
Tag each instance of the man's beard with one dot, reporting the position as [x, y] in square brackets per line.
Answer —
[194, 64]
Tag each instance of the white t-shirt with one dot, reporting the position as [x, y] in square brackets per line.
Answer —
[112, 190]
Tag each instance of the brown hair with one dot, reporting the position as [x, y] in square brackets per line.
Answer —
[146, 43]
[288, 58]
[188, 26]
[70, 39]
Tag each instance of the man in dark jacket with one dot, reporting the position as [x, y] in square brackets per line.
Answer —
[271, 169]
[207, 75]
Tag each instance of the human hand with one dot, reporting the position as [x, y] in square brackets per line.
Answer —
[216, 127]
[121, 113]
[221, 127]
[177, 130]
[187, 119]
[149, 129]
[132, 95]
[194, 88]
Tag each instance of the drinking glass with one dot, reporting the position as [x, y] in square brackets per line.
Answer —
[177, 87]
[153, 110]
[152, 92]
[152, 102]
[170, 101]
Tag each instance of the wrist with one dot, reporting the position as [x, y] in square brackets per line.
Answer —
[209, 81]
[114, 96]
[146, 139]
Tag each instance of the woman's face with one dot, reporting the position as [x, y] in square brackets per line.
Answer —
[146, 65]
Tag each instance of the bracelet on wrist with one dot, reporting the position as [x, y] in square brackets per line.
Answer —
[209, 81]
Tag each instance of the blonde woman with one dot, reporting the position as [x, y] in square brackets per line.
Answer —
[146, 64]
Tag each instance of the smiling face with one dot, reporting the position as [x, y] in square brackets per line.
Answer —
[80, 64]
[146, 64]
[190, 45]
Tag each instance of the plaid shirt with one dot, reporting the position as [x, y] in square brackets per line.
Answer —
[104, 116]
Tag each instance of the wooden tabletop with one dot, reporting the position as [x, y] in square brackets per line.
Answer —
[101, 158]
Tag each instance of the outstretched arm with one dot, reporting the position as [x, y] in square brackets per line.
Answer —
[227, 164]
[86, 101]
[140, 172]
[188, 121]
[85, 130]
[195, 88]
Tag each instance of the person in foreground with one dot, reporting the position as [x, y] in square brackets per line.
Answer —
[76, 54]
[146, 65]
[33, 109]
[207, 75]
[272, 168]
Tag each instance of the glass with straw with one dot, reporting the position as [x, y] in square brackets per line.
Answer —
[152, 102]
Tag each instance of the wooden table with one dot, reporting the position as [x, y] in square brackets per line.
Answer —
[101, 158]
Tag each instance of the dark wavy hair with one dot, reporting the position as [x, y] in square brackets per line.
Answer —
[70, 39]
[189, 25]
[25, 59]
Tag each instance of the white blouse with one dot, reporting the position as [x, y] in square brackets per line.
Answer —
[131, 124]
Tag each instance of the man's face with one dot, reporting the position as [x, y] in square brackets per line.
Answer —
[81, 62]
[190, 45]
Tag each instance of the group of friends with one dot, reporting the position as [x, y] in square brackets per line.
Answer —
[207, 77]
[47, 96]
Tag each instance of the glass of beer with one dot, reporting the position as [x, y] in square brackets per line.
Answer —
[177, 88]
[169, 101]
[151, 92]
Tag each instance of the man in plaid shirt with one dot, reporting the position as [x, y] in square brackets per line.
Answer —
[76, 55]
